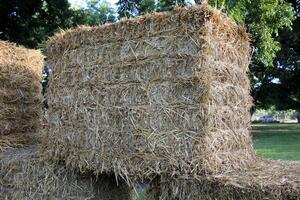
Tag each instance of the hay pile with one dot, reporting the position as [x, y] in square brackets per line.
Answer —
[162, 93]
[272, 180]
[20, 92]
[23, 176]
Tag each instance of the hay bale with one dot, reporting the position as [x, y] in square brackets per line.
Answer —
[162, 93]
[23, 176]
[16, 141]
[273, 180]
[20, 89]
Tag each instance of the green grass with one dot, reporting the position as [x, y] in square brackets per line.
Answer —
[277, 141]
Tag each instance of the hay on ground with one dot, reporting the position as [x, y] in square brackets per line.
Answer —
[162, 93]
[20, 92]
[272, 180]
[23, 176]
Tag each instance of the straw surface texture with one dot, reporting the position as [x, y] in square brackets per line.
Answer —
[20, 93]
[270, 180]
[24, 176]
[162, 93]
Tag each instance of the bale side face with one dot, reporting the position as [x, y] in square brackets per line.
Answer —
[23, 176]
[226, 144]
[145, 96]
[273, 181]
[20, 89]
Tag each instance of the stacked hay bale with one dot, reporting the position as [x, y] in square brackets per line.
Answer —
[162, 93]
[23, 176]
[20, 93]
[273, 180]
[163, 96]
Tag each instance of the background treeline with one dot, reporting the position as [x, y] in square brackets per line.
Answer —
[273, 24]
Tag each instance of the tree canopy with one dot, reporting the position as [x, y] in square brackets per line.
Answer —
[29, 22]
[263, 19]
[281, 84]
[97, 12]
[274, 27]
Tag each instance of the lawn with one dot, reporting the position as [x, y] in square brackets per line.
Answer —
[277, 141]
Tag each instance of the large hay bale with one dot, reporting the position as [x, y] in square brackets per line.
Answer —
[272, 180]
[162, 93]
[23, 176]
[20, 89]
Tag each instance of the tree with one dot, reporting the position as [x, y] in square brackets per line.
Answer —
[279, 86]
[29, 22]
[131, 8]
[288, 63]
[284, 93]
[165, 5]
[147, 6]
[263, 19]
[128, 8]
[99, 12]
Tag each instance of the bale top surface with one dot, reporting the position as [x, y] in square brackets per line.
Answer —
[11, 54]
[138, 27]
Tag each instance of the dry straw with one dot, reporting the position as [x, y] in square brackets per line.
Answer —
[272, 180]
[20, 93]
[23, 176]
[162, 93]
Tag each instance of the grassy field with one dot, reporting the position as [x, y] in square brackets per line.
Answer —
[277, 141]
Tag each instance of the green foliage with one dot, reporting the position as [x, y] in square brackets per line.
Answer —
[264, 19]
[131, 8]
[165, 5]
[288, 64]
[29, 22]
[128, 8]
[284, 92]
[147, 6]
[99, 12]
